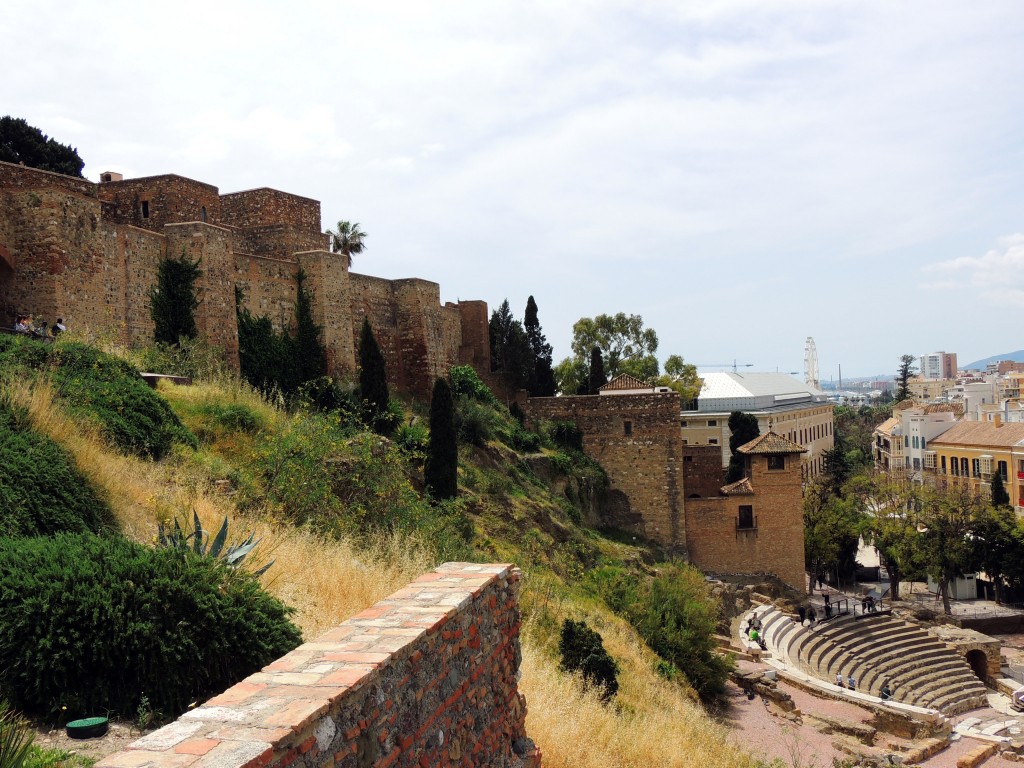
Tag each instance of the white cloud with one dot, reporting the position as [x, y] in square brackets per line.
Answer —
[997, 275]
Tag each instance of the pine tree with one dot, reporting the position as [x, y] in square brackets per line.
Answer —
[510, 350]
[1000, 498]
[310, 361]
[541, 382]
[373, 379]
[172, 301]
[597, 378]
[441, 470]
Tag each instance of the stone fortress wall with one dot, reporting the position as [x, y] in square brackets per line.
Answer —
[89, 253]
[427, 676]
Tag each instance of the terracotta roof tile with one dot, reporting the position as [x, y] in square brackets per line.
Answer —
[739, 488]
[770, 442]
[981, 433]
[625, 381]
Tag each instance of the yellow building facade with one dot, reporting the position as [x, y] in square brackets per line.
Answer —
[972, 452]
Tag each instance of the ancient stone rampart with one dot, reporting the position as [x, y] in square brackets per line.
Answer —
[426, 677]
[89, 253]
[637, 440]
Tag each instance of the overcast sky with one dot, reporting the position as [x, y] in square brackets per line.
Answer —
[742, 174]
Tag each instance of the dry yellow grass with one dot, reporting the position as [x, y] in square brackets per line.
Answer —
[326, 581]
[654, 723]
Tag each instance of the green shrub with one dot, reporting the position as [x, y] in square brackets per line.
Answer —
[475, 422]
[94, 624]
[582, 649]
[196, 357]
[41, 491]
[466, 383]
[674, 615]
[566, 434]
[413, 439]
[134, 417]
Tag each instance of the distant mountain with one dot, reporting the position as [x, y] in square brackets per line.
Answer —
[1017, 356]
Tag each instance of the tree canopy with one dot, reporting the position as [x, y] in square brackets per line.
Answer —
[21, 143]
[347, 240]
[541, 382]
[441, 469]
[903, 374]
[627, 347]
[373, 380]
[511, 353]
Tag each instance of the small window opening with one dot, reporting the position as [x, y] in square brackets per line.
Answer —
[745, 520]
[627, 428]
[202, 213]
[776, 462]
[145, 209]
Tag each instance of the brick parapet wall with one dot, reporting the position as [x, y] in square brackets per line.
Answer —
[644, 466]
[426, 677]
[21, 177]
[265, 207]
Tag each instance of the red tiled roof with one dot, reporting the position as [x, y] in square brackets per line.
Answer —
[625, 381]
[741, 487]
[981, 434]
[770, 442]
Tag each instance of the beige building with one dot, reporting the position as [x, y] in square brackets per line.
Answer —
[781, 403]
[925, 390]
[973, 451]
[901, 441]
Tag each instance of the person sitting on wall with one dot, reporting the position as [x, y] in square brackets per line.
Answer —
[21, 326]
[852, 682]
[839, 679]
[58, 328]
[40, 331]
[886, 693]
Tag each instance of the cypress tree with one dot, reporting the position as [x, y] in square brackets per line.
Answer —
[310, 360]
[597, 378]
[373, 379]
[743, 428]
[541, 381]
[441, 470]
[1000, 498]
[172, 301]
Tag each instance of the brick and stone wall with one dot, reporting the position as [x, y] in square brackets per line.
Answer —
[776, 542]
[426, 677]
[702, 471]
[637, 440]
[85, 252]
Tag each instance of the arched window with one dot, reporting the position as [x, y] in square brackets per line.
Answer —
[202, 213]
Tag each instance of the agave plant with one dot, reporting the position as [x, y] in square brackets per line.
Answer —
[15, 737]
[198, 540]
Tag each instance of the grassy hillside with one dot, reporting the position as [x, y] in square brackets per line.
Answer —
[341, 513]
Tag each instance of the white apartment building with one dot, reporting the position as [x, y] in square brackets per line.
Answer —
[938, 365]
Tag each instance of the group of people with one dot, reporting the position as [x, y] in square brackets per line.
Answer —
[851, 682]
[24, 324]
[869, 605]
[754, 632]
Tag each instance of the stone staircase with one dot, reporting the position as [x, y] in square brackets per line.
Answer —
[920, 670]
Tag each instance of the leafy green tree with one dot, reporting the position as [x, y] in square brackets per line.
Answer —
[542, 380]
[949, 516]
[836, 469]
[997, 539]
[265, 355]
[441, 470]
[571, 376]
[21, 143]
[373, 379]
[596, 378]
[626, 346]
[172, 301]
[744, 428]
[582, 650]
[831, 530]
[1000, 498]
[309, 356]
[890, 507]
[510, 349]
[347, 240]
[681, 377]
[903, 374]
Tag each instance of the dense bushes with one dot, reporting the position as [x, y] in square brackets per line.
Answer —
[582, 650]
[94, 624]
[675, 616]
[103, 388]
[41, 492]
[132, 415]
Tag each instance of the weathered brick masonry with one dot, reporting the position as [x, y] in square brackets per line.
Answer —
[426, 677]
[89, 253]
[636, 439]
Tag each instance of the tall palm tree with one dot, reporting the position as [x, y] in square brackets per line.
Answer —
[347, 239]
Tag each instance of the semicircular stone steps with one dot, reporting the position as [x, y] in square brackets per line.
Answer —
[876, 649]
